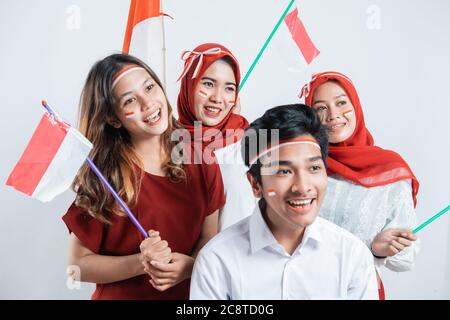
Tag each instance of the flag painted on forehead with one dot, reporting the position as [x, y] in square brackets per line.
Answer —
[144, 36]
[300, 36]
[51, 160]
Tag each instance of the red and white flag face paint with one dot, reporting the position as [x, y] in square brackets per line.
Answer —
[348, 113]
[300, 36]
[202, 94]
[271, 192]
[144, 34]
[129, 115]
[50, 161]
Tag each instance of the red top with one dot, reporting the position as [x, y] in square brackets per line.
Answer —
[176, 210]
[357, 158]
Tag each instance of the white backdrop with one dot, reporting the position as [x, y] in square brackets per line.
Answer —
[396, 52]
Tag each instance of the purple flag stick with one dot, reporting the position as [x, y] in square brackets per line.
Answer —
[105, 182]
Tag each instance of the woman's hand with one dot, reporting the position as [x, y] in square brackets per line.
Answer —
[166, 275]
[389, 242]
[155, 249]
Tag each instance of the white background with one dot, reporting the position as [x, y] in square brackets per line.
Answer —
[400, 70]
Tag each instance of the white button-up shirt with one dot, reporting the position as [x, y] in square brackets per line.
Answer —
[245, 261]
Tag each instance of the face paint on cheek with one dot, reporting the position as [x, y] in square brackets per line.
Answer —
[271, 192]
[203, 94]
[231, 102]
[348, 113]
[129, 115]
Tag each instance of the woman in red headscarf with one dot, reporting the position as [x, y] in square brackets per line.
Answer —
[208, 107]
[371, 191]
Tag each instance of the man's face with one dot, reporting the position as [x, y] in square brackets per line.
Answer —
[293, 184]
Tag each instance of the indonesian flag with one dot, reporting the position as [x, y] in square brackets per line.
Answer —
[51, 160]
[144, 37]
[298, 37]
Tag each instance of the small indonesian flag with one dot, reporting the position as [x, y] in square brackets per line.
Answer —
[51, 160]
[271, 192]
[144, 36]
[300, 36]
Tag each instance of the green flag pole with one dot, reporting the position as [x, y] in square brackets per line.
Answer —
[437, 215]
[266, 44]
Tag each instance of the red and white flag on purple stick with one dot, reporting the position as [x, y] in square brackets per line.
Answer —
[51, 160]
[144, 36]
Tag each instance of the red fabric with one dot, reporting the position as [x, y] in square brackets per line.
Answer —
[357, 158]
[185, 103]
[301, 37]
[176, 210]
[381, 294]
[38, 155]
[140, 10]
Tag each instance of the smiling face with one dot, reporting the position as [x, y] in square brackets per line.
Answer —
[141, 105]
[335, 110]
[215, 93]
[293, 185]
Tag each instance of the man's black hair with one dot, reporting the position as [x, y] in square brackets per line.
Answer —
[288, 121]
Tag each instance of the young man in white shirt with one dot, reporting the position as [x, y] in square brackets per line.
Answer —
[284, 250]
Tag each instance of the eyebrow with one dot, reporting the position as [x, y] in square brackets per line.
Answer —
[289, 163]
[336, 97]
[215, 81]
[128, 92]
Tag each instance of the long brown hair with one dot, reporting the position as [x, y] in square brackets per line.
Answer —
[113, 152]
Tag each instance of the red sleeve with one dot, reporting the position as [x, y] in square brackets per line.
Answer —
[88, 229]
[216, 191]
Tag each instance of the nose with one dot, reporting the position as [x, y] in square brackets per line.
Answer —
[217, 96]
[333, 113]
[146, 103]
[301, 184]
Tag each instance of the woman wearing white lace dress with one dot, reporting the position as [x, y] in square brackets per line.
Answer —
[371, 191]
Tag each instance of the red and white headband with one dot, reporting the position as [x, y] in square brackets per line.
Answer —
[123, 73]
[305, 91]
[283, 144]
[191, 56]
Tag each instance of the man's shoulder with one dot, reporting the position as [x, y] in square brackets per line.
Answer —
[336, 234]
[229, 239]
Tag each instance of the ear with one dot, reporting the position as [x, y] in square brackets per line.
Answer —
[114, 122]
[256, 187]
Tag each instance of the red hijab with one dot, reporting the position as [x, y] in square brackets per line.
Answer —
[196, 63]
[357, 158]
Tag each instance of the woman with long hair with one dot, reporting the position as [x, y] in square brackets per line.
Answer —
[125, 113]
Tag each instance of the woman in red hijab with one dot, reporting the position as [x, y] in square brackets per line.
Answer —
[371, 191]
[208, 108]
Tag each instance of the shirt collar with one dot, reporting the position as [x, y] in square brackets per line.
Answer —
[261, 236]
[312, 235]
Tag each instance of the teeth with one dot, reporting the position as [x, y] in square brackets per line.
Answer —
[297, 203]
[154, 116]
[212, 109]
[338, 125]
